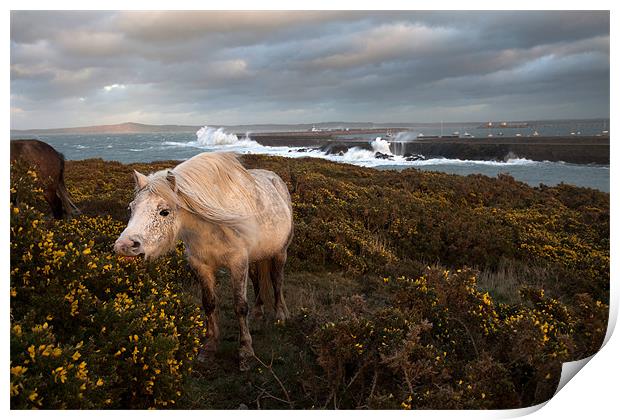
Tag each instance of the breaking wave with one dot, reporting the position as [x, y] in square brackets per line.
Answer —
[210, 136]
[379, 153]
[357, 154]
[381, 146]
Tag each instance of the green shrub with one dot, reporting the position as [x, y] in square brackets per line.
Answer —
[362, 221]
[440, 342]
[89, 330]
[422, 338]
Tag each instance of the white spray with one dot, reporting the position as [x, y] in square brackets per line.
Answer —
[210, 136]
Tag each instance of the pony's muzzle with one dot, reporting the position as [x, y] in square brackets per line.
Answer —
[128, 246]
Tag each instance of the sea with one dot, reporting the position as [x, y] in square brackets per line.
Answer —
[148, 147]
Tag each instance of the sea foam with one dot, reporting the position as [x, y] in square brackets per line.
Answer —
[213, 139]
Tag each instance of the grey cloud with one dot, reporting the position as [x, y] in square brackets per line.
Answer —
[250, 67]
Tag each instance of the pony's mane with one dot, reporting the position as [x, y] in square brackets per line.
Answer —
[214, 186]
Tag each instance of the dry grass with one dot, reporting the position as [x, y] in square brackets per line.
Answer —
[504, 282]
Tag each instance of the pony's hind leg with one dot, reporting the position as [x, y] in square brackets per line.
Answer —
[261, 280]
[277, 278]
[239, 277]
[209, 303]
[258, 310]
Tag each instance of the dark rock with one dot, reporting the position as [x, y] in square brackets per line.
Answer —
[379, 155]
[411, 157]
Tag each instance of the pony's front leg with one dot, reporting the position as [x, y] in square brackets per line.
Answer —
[209, 304]
[239, 277]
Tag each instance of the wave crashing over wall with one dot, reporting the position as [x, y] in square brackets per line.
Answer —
[211, 136]
[379, 153]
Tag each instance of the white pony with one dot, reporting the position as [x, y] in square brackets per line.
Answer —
[227, 216]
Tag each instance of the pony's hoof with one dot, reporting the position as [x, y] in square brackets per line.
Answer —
[281, 315]
[258, 314]
[244, 365]
[245, 359]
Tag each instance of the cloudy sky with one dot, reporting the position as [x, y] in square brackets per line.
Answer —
[86, 68]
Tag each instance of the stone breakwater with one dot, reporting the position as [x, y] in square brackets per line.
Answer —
[578, 150]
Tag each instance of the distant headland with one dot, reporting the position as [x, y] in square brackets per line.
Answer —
[326, 127]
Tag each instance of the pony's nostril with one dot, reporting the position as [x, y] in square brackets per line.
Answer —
[135, 244]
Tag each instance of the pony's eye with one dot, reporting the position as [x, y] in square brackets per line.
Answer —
[164, 213]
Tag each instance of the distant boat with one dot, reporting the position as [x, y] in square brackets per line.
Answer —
[518, 135]
[490, 135]
[456, 133]
[422, 136]
[466, 134]
[535, 133]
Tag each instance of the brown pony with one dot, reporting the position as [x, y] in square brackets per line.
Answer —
[50, 166]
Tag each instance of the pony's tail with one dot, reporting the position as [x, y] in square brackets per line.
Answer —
[265, 285]
[62, 193]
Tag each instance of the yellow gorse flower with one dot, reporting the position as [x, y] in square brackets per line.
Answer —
[18, 370]
[33, 396]
[14, 389]
[31, 352]
[60, 374]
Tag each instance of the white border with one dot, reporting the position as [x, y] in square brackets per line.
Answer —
[592, 394]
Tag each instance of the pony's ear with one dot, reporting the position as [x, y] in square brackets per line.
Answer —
[141, 180]
[171, 180]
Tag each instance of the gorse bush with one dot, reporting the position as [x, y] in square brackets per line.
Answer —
[440, 342]
[373, 326]
[363, 221]
[89, 330]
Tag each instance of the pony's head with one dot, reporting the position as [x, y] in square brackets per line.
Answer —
[154, 224]
[213, 187]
